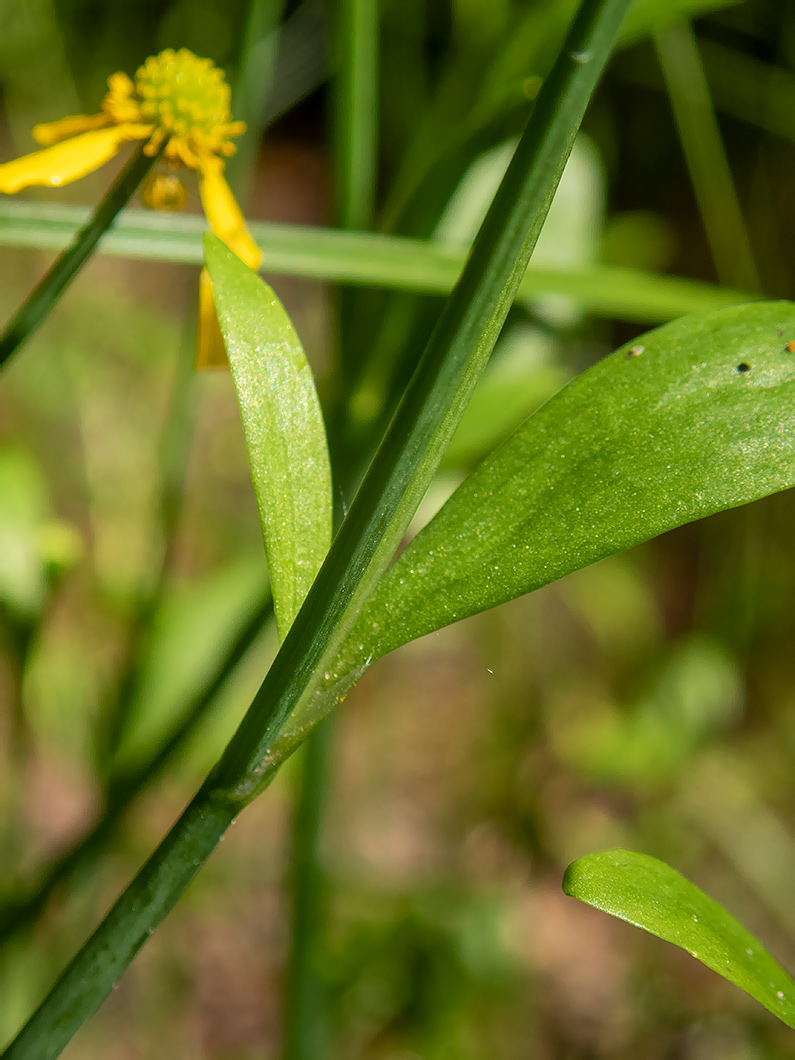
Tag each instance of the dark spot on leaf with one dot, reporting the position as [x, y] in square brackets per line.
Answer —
[743, 367]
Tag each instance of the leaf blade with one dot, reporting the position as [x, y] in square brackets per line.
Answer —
[651, 895]
[283, 427]
[633, 447]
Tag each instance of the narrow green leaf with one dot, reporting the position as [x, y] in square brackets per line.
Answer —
[367, 259]
[705, 155]
[690, 419]
[283, 426]
[647, 16]
[657, 898]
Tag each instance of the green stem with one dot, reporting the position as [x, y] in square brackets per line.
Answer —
[64, 269]
[356, 148]
[253, 87]
[704, 153]
[304, 1016]
[356, 111]
[398, 477]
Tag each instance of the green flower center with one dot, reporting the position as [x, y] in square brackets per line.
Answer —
[182, 94]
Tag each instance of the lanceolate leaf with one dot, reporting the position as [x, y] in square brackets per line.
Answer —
[690, 419]
[657, 898]
[283, 426]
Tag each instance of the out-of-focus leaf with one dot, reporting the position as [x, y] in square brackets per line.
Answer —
[747, 88]
[571, 234]
[193, 628]
[690, 419]
[368, 259]
[650, 894]
[23, 509]
[522, 374]
[283, 426]
[647, 16]
[698, 693]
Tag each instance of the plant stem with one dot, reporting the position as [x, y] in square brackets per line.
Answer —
[304, 1016]
[393, 487]
[48, 291]
[677, 50]
[356, 111]
[355, 148]
[252, 87]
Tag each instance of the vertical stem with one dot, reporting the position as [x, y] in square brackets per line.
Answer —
[355, 149]
[67, 265]
[304, 1030]
[356, 111]
[252, 87]
[688, 91]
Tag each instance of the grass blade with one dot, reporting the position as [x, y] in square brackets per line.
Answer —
[367, 259]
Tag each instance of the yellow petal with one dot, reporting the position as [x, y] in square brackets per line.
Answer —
[224, 214]
[69, 160]
[53, 132]
[210, 349]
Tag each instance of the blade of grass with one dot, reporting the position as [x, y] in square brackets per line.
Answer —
[369, 260]
[704, 153]
[356, 109]
[49, 290]
[252, 87]
[754, 91]
[386, 501]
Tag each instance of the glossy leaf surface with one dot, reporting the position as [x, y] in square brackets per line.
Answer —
[283, 426]
[650, 894]
[690, 419]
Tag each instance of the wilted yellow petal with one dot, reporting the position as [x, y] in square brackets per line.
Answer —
[224, 214]
[52, 132]
[210, 349]
[69, 160]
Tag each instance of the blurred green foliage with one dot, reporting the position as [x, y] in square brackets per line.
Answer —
[647, 701]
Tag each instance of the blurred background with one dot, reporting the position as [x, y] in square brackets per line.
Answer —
[645, 702]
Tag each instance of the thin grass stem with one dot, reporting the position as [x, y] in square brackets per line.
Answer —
[45, 296]
[718, 203]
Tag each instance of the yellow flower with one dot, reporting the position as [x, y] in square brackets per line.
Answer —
[179, 104]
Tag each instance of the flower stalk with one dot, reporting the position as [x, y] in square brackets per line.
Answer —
[67, 265]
